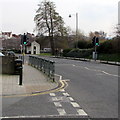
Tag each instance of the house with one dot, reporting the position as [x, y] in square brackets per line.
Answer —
[6, 35]
[14, 36]
[33, 48]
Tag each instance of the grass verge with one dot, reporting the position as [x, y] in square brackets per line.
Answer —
[107, 57]
[45, 54]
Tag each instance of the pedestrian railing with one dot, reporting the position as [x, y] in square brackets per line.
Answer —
[46, 66]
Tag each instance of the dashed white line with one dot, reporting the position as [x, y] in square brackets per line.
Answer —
[87, 68]
[74, 104]
[52, 94]
[81, 112]
[62, 90]
[102, 72]
[57, 104]
[54, 99]
[66, 94]
[70, 98]
[110, 74]
[61, 111]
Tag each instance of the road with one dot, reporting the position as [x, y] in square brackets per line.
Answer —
[93, 86]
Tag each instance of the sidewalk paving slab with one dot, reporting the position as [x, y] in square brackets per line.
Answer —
[33, 81]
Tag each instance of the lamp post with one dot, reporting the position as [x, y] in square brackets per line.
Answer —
[119, 13]
[76, 29]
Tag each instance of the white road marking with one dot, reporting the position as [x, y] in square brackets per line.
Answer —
[66, 94]
[52, 94]
[59, 76]
[57, 104]
[74, 104]
[81, 112]
[40, 116]
[73, 65]
[102, 72]
[61, 111]
[62, 90]
[67, 80]
[87, 68]
[110, 74]
[70, 98]
[55, 99]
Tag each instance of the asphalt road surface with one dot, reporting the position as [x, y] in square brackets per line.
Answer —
[93, 86]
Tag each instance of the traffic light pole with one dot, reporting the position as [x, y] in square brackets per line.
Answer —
[23, 43]
[95, 52]
[95, 49]
[23, 53]
[95, 43]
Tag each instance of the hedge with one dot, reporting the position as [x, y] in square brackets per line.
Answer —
[79, 53]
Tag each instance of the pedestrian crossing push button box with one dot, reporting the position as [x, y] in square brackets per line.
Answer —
[18, 66]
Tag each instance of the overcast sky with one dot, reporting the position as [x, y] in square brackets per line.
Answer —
[94, 15]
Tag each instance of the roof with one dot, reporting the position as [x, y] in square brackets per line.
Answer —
[7, 33]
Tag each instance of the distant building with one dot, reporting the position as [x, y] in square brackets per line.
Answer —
[30, 35]
[9, 41]
[33, 48]
[1, 47]
[14, 36]
[5, 35]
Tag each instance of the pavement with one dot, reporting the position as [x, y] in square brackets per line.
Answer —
[33, 81]
[90, 60]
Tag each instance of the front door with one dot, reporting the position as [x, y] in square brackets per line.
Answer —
[34, 50]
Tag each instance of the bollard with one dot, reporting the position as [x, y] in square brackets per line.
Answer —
[18, 69]
[21, 76]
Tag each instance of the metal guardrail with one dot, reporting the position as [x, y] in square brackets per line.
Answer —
[43, 65]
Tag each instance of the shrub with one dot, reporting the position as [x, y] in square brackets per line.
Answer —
[105, 47]
[65, 51]
[82, 44]
[116, 45]
[89, 45]
[109, 46]
[80, 53]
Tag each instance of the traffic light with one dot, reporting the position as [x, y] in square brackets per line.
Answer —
[24, 39]
[95, 41]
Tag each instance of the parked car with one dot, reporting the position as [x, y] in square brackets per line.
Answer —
[1, 54]
[11, 53]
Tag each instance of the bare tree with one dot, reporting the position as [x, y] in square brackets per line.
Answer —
[118, 30]
[49, 22]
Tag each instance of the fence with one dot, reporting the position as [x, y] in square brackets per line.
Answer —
[43, 65]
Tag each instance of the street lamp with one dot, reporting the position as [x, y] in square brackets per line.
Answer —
[76, 29]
